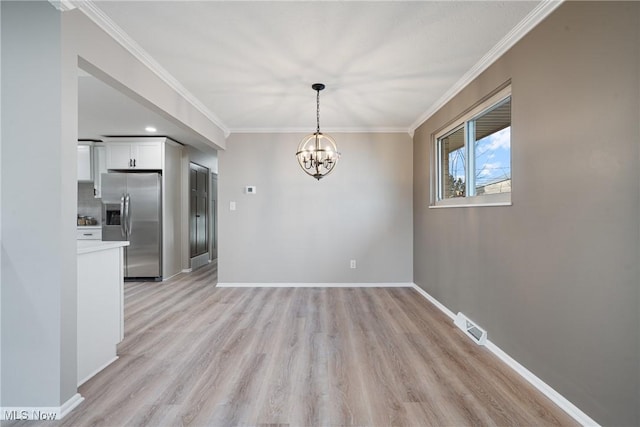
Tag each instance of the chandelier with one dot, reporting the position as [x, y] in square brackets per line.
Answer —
[317, 153]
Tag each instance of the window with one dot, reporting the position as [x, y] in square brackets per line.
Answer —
[473, 165]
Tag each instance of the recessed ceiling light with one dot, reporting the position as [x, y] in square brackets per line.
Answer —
[150, 129]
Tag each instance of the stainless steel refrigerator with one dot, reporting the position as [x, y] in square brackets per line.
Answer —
[132, 210]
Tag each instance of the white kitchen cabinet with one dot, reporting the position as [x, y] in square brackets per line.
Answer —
[148, 155]
[134, 155]
[89, 233]
[100, 305]
[99, 167]
[119, 156]
[84, 163]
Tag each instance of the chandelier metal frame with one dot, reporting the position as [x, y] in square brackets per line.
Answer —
[318, 153]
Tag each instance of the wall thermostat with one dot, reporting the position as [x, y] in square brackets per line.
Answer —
[250, 189]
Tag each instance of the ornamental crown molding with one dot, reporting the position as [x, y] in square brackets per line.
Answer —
[537, 15]
[103, 21]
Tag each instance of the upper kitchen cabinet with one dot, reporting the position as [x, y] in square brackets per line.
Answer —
[99, 167]
[147, 155]
[84, 163]
[92, 162]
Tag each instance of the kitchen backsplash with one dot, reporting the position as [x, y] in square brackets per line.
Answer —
[87, 204]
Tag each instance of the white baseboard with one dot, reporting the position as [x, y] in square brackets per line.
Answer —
[315, 285]
[571, 409]
[434, 301]
[199, 261]
[42, 413]
[88, 377]
[70, 404]
[164, 279]
[543, 387]
[187, 270]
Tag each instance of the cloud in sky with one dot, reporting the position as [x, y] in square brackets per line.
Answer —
[500, 139]
[489, 169]
[493, 156]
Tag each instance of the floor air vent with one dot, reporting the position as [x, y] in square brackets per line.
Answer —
[476, 333]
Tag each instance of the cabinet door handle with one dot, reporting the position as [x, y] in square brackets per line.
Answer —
[130, 163]
[134, 163]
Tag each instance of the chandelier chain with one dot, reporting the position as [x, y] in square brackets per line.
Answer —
[318, 111]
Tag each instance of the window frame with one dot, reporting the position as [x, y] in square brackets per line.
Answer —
[466, 122]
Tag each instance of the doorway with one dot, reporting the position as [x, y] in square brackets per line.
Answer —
[213, 244]
[198, 215]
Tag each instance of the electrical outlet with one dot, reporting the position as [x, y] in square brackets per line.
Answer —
[232, 206]
[353, 263]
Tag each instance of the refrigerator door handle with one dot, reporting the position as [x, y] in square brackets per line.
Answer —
[127, 203]
[123, 212]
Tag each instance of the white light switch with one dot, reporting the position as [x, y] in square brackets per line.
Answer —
[232, 206]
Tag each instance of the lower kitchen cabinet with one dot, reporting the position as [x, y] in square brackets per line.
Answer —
[89, 233]
[100, 305]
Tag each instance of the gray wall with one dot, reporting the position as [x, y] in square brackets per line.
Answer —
[38, 262]
[296, 229]
[554, 278]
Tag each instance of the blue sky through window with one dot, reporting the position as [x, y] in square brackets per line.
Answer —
[493, 158]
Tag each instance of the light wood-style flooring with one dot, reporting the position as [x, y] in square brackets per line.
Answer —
[198, 355]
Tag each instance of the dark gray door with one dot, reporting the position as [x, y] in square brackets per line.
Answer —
[213, 216]
[198, 217]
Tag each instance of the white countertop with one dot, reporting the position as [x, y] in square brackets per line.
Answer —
[87, 246]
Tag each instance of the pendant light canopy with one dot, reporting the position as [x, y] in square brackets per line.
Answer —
[318, 153]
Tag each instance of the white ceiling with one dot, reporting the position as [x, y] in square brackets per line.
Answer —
[104, 111]
[385, 64]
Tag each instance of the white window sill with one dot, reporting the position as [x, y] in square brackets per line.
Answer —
[470, 205]
[501, 199]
